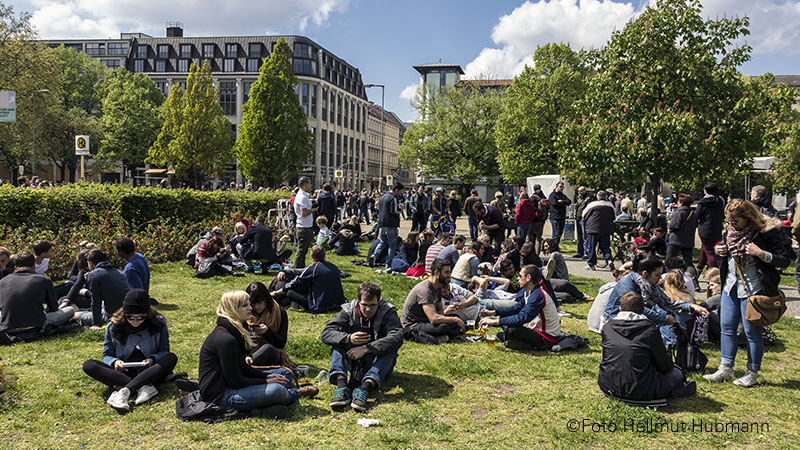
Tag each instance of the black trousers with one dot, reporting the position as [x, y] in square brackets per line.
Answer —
[527, 336]
[572, 293]
[442, 329]
[685, 252]
[266, 355]
[132, 379]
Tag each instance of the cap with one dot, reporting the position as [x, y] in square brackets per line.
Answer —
[137, 301]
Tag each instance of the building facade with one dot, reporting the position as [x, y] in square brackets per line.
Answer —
[383, 126]
[329, 89]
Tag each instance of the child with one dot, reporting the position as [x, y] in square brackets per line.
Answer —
[42, 250]
[324, 233]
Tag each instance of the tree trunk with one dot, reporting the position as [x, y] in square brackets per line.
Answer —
[655, 181]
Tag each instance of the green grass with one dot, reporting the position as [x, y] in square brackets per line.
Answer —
[457, 395]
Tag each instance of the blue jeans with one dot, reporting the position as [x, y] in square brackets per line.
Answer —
[579, 228]
[388, 236]
[399, 265]
[524, 230]
[260, 395]
[379, 366]
[558, 229]
[731, 312]
[473, 227]
[593, 240]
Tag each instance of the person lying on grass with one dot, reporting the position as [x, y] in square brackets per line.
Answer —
[364, 337]
[135, 334]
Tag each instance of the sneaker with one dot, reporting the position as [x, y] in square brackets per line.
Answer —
[611, 266]
[145, 393]
[562, 313]
[590, 267]
[272, 412]
[442, 339]
[296, 306]
[371, 261]
[84, 292]
[724, 373]
[686, 389]
[587, 298]
[341, 397]
[424, 338]
[308, 391]
[584, 257]
[501, 336]
[577, 255]
[797, 317]
[550, 269]
[605, 264]
[359, 399]
[749, 379]
[119, 400]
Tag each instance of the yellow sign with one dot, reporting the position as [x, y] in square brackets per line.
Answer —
[389, 179]
[339, 173]
[82, 145]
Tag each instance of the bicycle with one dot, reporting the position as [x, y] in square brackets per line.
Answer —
[622, 249]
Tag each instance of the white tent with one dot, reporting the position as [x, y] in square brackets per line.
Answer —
[548, 183]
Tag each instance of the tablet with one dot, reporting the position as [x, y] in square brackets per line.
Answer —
[133, 365]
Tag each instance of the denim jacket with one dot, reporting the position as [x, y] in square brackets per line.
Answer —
[154, 346]
[656, 313]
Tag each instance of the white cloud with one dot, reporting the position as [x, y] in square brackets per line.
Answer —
[589, 24]
[59, 19]
[409, 91]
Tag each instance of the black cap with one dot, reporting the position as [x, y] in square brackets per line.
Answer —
[137, 301]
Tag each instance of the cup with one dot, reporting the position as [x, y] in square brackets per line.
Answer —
[490, 340]
[470, 325]
[302, 372]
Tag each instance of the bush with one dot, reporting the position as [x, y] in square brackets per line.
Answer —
[164, 223]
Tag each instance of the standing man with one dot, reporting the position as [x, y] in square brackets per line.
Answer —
[439, 205]
[469, 203]
[598, 217]
[304, 231]
[418, 210]
[388, 223]
[558, 210]
[327, 203]
[491, 222]
[581, 202]
[710, 214]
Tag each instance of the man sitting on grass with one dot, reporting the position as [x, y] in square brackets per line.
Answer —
[365, 337]
[136, 270]
[423, 316]
[317, 288]
[108, 287]
[635, 364]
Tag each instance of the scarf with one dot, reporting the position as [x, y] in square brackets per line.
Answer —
[653, 295]
[737, 240]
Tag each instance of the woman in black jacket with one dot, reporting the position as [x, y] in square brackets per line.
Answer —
[751, 257]
[270, 324]
[682, 226]
[710, 214]
[225, 377]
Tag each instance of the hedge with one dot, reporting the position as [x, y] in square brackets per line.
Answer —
[164, 223]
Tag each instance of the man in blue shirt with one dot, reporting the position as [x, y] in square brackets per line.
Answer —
[136, 270]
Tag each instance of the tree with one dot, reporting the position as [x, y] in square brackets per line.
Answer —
[783, 136]
[274, 140]
[534, 107]
[57, 139]
[196, 138]
[131, 119]
[454, 136]
[80, 74]
[666, 104]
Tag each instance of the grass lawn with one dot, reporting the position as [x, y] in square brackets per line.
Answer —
[456, 395]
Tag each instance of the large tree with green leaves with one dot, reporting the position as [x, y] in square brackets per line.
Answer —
[274, 140]
[534, 107]
[195, 138]
[666, 104]
[81, 75]
[454, 136]
[131, 119]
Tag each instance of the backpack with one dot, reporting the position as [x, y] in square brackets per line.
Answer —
[687, 355]
[192, 407]
[541, 210]
[208, 268]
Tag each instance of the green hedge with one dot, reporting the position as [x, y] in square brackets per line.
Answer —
[164, 223]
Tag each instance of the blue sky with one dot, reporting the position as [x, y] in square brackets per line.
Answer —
[384, 39]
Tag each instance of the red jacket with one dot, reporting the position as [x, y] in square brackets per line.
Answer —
[524, 212]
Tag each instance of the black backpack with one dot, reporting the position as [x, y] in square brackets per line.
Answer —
[687, 355]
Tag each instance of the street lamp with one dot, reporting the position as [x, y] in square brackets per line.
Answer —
[33, 124]
[380, 171]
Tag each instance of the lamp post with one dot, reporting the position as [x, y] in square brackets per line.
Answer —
[383, 138]
[33, 124]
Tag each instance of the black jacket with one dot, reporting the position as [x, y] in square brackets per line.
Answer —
[22, 295]
[769, 239]
[257, 244]
[558, 205]
[387, 329]
[327, 206]
[765, 206]
[598, 217]
[710, 214]
[108, 286]
[635, 361]
[222, 364]
[682, 226]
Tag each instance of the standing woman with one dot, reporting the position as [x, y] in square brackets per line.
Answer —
[751, 257]
[225, 377]
[270, 325]
[453, 206]
[136, 333]
[524, 216]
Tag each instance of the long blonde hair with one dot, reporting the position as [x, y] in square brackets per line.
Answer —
[228, 308]
[742, 208]
[675, 286]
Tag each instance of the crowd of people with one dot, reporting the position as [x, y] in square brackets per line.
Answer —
[463, 288]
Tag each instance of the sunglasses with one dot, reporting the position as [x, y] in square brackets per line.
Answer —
[135, 318]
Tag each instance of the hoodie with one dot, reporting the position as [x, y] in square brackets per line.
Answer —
[327, 206]
[635, 362]
[710, 214]
[682, 226]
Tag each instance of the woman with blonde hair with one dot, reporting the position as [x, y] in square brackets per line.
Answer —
[675, 286]
[225, 377]
[752, 255]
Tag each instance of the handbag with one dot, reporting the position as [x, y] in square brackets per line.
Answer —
[763, 310]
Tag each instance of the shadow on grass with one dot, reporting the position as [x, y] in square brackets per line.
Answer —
[788, 384]
[414, 387]
[166, 307]
[696, 404]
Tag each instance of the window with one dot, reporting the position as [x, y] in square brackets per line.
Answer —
[77, 47]
[338, 150]
[183, 65]
[229, 65]
[208, 50]
[161, 65]
[111, 63]
[325, 104]
[182, 84]
[358, 153]
[254, 50]
[186, 50]
[117, 49]
[358, 118]
[253, 64]
[314, 101]
[323, 153]
[330, 150]
[363, 151]
[344, 154]
[339, 110]
[304, 99]
[162, 86]
[227, 97]
[247, 85]
[346, 110]
[352, 114]
[141, 51]
[231, 50]
[163, 51]
[353, 155]
[96, 49]
[138, 65]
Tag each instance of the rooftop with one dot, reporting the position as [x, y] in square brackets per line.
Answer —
[422, 68]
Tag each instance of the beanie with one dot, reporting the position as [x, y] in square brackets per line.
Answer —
[137, 301]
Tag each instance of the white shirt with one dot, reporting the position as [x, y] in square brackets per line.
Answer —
[302, 200]
[42, 268]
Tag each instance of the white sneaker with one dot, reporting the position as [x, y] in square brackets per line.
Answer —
[562, 313]
[724, 373]
[84, 292]
[550, 269]
[145, 393]
[119, 400]
[749, 379]
[443, 338]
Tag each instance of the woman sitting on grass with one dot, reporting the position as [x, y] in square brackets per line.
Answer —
[136, 333]
[269, 323]
[675, 286]
[558, 268]
[407, 253]
[225, 377]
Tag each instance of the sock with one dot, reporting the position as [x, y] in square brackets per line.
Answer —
[368, 385]
[341, 382]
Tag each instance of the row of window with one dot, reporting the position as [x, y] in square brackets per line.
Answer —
[339, 153]
[182, 65]
[101, 49]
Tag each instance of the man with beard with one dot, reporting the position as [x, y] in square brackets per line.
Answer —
[423, 317]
